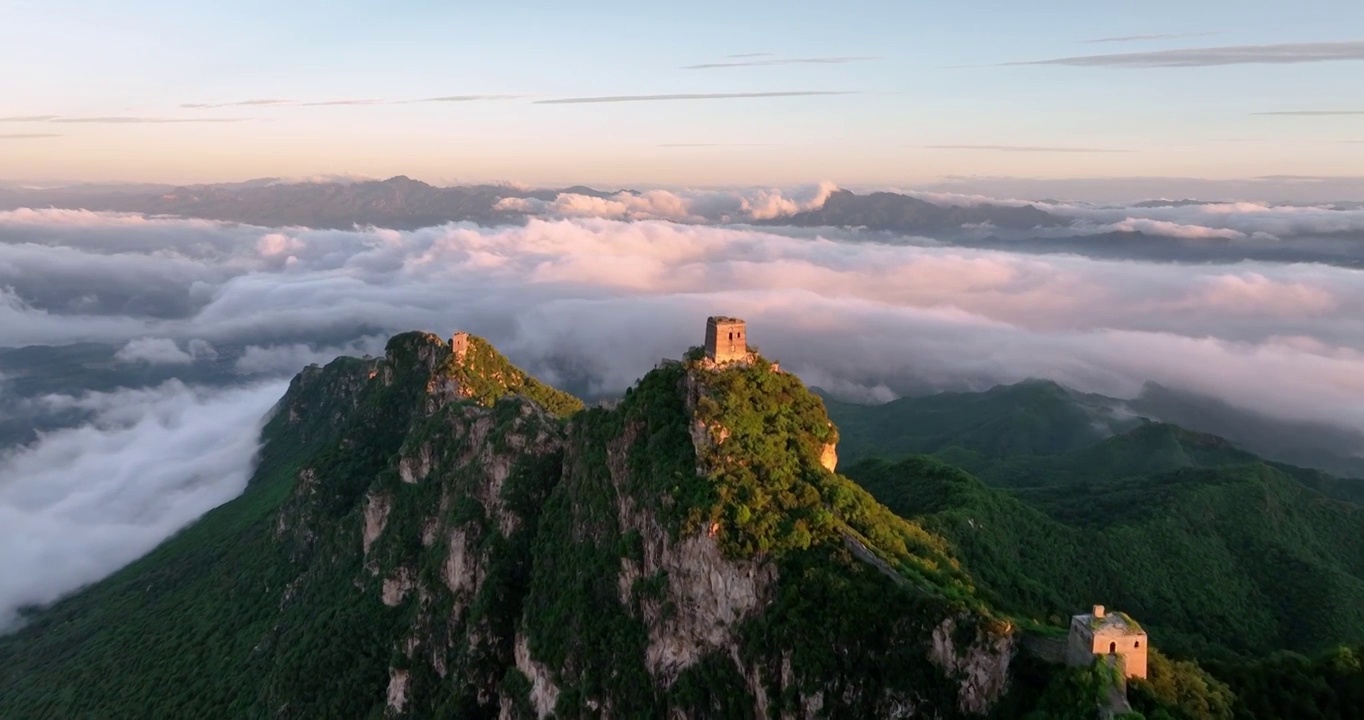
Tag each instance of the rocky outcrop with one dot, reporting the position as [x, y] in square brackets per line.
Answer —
[415, 467]
[377, 508]
[397, 586]
[544, 695]
[980, 667]
[828, 456]
[707, 595]
[461, 571]
[397, 690]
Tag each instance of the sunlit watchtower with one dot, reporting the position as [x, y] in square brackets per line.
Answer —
[1115, 636]
[726, 339]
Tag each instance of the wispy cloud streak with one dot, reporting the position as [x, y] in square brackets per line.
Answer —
[133, 120]
[460, 98]
[1024, 148]
[707, 145]
[1140, 38]
[1280, 54]
[691, 96]
[345, 101]
[359, 101]
[238, 103]
[1312, 113]
[27, 136]
[27, 118]
[783, 61]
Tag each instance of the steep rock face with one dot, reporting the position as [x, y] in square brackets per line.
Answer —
[706, 594]
[980, 667]
[486, 472]
[828, 456]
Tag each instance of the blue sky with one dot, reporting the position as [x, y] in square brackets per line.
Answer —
[933, 97]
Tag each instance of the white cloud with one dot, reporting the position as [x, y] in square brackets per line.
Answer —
[154, 351]
[595, 302]
[291, 358]
[82, 502]
[1245, 218]
[201, 349]
[691, 206]
[1169, 229]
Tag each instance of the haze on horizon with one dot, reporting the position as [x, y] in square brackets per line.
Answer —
[878, 93]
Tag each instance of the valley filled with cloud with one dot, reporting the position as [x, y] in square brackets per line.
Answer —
[193, 327]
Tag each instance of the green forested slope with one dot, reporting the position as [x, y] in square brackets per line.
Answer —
[231, 617]
[1030, 418]
[1238, 559]
[441, 539]
[421, 539]
[1225, 558]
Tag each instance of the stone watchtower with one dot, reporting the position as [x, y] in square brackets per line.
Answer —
[1107, 635]
[726, 339]
[459, 346]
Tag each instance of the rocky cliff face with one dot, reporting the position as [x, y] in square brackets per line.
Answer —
[684, 554]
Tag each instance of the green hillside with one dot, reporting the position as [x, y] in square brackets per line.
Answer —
[1030, 418]
[1145, 449]
[422, 538]
[230, 615]
[1214, 561]
[1040, 418]
[436, 536]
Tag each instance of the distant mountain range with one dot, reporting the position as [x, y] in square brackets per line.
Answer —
[902, 213]
[403, 203]
[398, 202]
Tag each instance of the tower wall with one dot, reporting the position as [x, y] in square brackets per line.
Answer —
[1131, 648]
[459, 345]
[1084, 644]
[726, 339]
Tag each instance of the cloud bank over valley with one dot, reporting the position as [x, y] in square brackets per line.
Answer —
[146, 349]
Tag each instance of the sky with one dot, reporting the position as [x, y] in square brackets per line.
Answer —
[859, 93]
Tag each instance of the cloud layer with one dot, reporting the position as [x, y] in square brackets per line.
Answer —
[780, 61]
[716, 206]
[691, 96]
[1025, 148]
[83, 502]
[1140, 38]
[553, 292]
[1280, 54]
[590, 303]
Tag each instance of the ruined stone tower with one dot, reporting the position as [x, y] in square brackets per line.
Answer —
[459, 346]
[726, 339]
[1114, 636]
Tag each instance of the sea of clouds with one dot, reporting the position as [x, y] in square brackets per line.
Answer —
[591, 303]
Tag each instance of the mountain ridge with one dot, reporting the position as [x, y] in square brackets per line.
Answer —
[413, 544]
